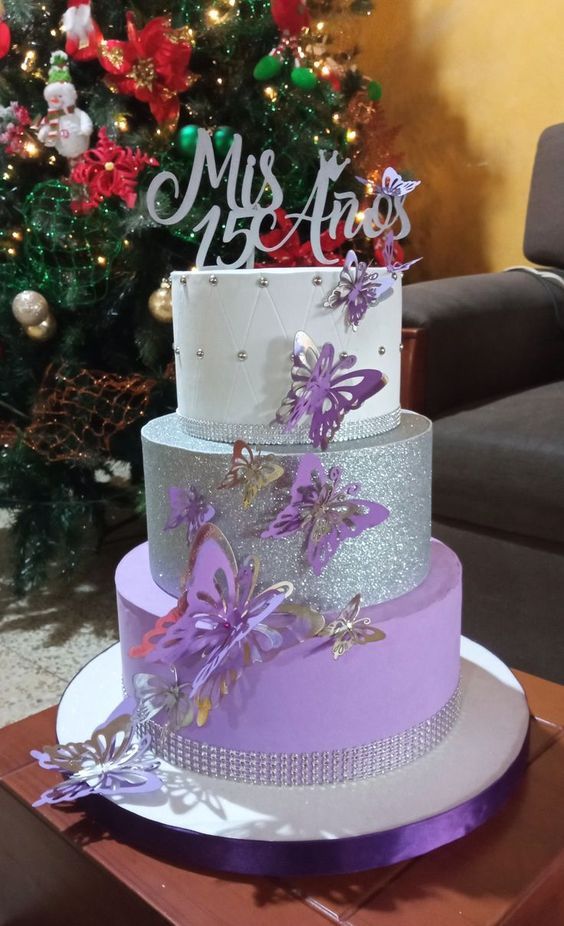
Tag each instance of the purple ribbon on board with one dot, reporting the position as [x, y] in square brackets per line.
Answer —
[313, 857]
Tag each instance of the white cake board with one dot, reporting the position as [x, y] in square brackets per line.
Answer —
[328, 828]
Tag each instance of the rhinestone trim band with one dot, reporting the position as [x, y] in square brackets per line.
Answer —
[284, 769]
[229, 432]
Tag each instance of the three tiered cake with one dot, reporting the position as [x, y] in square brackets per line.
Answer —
[298, 698]
[355, 670]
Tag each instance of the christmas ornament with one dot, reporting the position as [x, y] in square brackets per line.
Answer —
[187, 140]
[374, 91]
[291, 16]
[108, 170]
[14, 121]
[223, 139]
[152, 66]
[30, 308]
[377, 148]
[268, 67]
[44, 331]
[69, 257]
[5, 33]
[65, 127]
[303, 78]
[160, 303]
[83, 33]
[77, 413]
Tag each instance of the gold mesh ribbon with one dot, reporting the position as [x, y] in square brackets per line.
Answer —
[376, 139]
[78, 412]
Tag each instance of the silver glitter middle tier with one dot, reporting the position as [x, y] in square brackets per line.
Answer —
[382, 562]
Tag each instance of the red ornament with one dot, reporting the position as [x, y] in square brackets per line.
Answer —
[5, 39]
[290, 16]
[83, 33]
[109, 170]
[151, 66]
[295, 253]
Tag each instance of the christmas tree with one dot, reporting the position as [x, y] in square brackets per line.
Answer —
[94, 102]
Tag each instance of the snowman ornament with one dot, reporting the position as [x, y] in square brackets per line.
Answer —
[65, 127]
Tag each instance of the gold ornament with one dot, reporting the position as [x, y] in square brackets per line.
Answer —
[44, 331]
[160, 303]
[30, 308]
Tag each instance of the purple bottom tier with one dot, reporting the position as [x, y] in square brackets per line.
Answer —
[306, 702]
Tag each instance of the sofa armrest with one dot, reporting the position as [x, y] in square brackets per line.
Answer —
[486, 335]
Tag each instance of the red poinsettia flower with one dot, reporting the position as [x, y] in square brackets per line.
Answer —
[294, 252]
[109, 170]
[152, 65]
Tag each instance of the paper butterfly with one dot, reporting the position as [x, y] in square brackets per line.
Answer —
[156, 695]
[111, 762]
[226, 624]
[390, 263]
[251, 471]
[358, 287]
[324, 390]
[394, 185]
[327, 512]
[349, 629]
[188, 506]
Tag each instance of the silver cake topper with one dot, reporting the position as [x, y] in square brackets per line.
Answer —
[325, 209]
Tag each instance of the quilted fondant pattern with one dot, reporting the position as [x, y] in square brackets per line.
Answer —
[215, 325]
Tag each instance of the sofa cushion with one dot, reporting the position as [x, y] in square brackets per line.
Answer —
[487, 335]
[501, 465]
[544, 229]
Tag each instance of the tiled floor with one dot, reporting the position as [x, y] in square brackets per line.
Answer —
[47, 636]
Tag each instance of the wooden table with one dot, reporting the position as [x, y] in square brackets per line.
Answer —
[65, 867]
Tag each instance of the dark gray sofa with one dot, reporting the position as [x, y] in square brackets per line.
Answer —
[494, 386]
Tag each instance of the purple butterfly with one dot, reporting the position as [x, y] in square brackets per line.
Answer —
[189, 506]
[394, 185]
[226, 624]
[326, 511]
[358, 287]
[111, 762]
[391, 265]
[322, 390]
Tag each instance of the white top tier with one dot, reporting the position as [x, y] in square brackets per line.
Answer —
[234, 337]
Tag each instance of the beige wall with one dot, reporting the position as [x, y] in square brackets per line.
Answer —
[472, 83]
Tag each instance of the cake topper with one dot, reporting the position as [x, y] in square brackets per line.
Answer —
[252, 471]
[253, 195]
[326, 511]
[324, 389]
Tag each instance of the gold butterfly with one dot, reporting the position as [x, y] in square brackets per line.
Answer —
[252, 471]
[349, 629]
